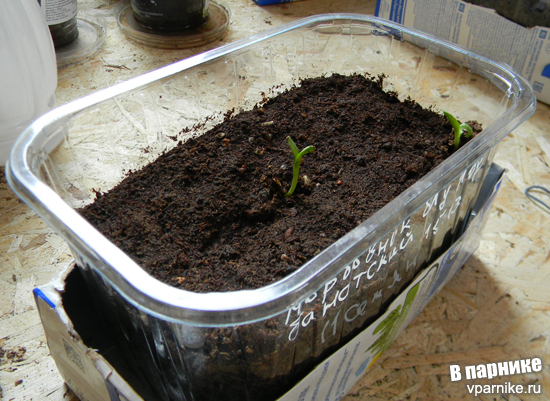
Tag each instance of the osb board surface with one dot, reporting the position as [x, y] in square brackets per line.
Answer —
[496, 308]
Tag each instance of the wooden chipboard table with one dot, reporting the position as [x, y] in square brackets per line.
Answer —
[496, 309]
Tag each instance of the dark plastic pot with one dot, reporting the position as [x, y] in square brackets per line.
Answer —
[170, 15]
[64, 33]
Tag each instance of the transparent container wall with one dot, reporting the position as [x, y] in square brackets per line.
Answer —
[333, 297]
[124, 133]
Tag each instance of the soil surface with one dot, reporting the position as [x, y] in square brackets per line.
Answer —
[212, 215]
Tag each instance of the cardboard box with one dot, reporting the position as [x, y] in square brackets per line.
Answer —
[481, 30]
[91, 365]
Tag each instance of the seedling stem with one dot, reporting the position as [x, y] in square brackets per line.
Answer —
[459, 129]
[297, 162]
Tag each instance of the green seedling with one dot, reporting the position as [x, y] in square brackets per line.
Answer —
[458, 128]
[297, 162]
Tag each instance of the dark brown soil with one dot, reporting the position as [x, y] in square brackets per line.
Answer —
[211, 215]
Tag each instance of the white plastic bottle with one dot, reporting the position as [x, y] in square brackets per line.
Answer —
[28, 69]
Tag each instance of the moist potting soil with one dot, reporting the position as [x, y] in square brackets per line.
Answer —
[211, 214]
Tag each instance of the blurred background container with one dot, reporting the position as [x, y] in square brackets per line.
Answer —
[28, 71]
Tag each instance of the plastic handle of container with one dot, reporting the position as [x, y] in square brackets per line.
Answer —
[534, 198]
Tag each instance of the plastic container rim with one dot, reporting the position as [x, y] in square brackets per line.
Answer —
[246, 306]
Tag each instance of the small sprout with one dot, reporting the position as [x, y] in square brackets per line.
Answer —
[297, 162]
[267, 123]
[459, 129]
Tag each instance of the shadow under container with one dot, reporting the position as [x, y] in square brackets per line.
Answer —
[257, 344]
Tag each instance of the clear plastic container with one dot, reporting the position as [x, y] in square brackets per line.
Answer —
[61, 19]
[214, 28]
[28, 70]
[254, 345]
